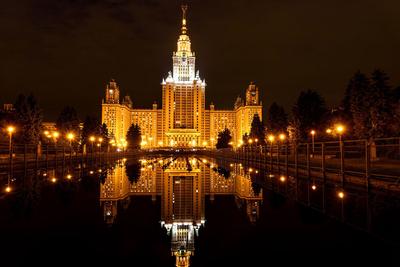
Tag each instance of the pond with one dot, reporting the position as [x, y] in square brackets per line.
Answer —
[191, 211]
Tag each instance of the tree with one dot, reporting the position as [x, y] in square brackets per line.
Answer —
[28, 118]
[104, 133]
[257, 129]
[277, 119]
[309, 113]
[380, 111]
[224, 138]
[132, 170]
[134, 137]
[68, 121]
[91, 127]
[355, 100]
[368, 101]
[396, 111]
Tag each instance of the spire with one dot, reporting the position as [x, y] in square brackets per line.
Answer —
[184, 11]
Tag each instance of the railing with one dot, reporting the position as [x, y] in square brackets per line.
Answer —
[361, 162]
[28, 156]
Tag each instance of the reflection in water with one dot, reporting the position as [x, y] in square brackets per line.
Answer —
[182, 184]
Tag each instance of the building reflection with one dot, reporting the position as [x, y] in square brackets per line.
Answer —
[182, 184]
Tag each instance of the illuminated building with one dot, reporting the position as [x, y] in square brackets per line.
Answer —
[182, 185]
[182, 120]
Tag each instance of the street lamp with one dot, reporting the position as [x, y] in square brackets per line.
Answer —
[312, 132]
[271, 139]
[340, 130]
[100, 142]
[10, 130]
[282, 137]
[70, 137]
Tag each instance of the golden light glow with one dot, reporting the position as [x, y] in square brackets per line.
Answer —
[53, 180]
[91, 172]
[340, 128]
[328, 131]
[8, 189]
[314, 187]
[271, 138]
[282, 178]
[205, 143]
[92, 139]
[69, 176]
[70, 136]
[46, 133]
[10, 129]
[312, 132]
[100, 139]
[256, 140]
[56, 134]
[250, 170]
[341, 194]
[250, 141]
[160, 143]
[231, 164]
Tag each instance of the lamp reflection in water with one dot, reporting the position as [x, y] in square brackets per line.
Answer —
[180, 186]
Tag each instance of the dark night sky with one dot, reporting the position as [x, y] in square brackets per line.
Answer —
[65, 51]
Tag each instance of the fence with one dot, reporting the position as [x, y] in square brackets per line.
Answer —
[28, 156]
[360, 162]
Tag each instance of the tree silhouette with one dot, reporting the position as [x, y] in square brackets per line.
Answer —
[134, 137]
[224, 138]
[369, 103]
[28, 118]
[132, 171]
[257, 129]
[91, 127]
[104, 133]
[277, 119]
[68, 120]
[309, 113]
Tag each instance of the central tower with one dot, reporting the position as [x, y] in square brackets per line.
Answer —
[183, 96]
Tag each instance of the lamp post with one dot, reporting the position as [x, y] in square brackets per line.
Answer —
[70, 137]
[100, 142]
[271, 139]
[282, 138]
[340, 130]
[10, 131]
[55, 136]
[92, 139]
[312, 140]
